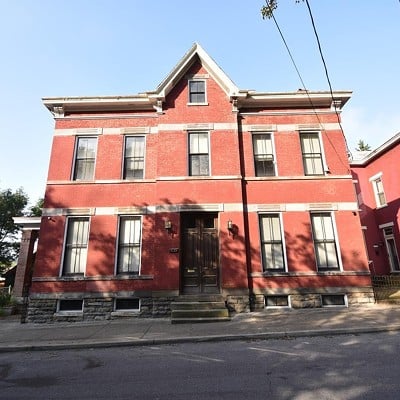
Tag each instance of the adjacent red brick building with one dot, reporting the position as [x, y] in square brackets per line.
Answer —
[197, 188]
[378, 190]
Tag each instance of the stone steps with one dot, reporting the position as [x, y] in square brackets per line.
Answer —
[197, 309]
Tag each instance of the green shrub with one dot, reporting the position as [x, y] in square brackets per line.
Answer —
[5, 299]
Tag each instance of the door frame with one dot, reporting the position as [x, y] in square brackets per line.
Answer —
[201, 288]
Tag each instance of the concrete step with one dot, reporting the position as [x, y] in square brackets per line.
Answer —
[216, 313]
[198, 320]
[197, 305]
[199, 308]
[199, 298]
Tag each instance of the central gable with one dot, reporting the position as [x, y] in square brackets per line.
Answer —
[191, 63]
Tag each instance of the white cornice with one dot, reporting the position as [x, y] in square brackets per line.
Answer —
[241, 99]
[393, 141]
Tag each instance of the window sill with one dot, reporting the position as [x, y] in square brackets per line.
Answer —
[197, 104]
[125, 313]
[68, 314]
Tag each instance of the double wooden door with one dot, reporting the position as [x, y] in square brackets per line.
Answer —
[200, 256]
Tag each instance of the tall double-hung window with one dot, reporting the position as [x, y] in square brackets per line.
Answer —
[312, 153]
[134, 157]
[76, 245]
[129, 245]
[272, 243]
[85, 158]
[199, 155]
[325, 243]
[263, 154]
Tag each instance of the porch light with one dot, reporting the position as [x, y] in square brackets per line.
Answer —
[230, 225]
[168, 225]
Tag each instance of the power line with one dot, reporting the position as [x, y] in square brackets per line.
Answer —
[326, 72]
[304, 86]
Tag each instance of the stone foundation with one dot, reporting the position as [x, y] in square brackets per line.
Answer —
[43, 308]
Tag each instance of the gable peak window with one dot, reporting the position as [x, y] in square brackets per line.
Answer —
[134, 157]
[263, 154]
[85, 158]
[311, 150]
[197, 91]
[199, 163]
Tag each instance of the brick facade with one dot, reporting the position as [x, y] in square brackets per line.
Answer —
[223, 208]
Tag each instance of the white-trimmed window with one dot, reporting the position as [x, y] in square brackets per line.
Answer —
[85, 158]
[394, 262]
[264, 163]
[129, 241]
[311, 150]
[199, 156]
[325, 243]
[272, 246]
[134, 157]
[379, 193]
[197, 91]
[76, 245]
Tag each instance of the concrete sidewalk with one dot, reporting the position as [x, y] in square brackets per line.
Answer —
[267, 324]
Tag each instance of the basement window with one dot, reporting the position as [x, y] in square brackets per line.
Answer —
[277, 301]
[334, 300]
[70, 305]
[127, 304]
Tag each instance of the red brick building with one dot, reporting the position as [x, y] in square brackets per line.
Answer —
[200, 189]
[378, 190]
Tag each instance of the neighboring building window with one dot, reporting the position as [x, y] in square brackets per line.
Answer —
[312, 154]
[324, 241]
[263, 155]
[197, 91]
[198, 154]
[129, 245]
[378, 191]
[391, 249]
[76, 244]
[272, 243]
[85, 157]
[134, 157]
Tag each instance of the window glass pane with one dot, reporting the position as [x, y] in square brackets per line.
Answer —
[129, 259]
[262, 144]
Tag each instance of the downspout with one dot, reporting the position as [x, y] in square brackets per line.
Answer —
[246, 233]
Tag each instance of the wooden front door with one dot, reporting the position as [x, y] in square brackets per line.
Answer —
[200, 258]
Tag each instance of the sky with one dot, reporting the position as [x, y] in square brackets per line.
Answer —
[123, 47]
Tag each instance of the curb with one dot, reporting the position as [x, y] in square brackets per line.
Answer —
[197, 339]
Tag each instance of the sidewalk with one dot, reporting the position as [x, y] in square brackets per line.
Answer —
[15, 336]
